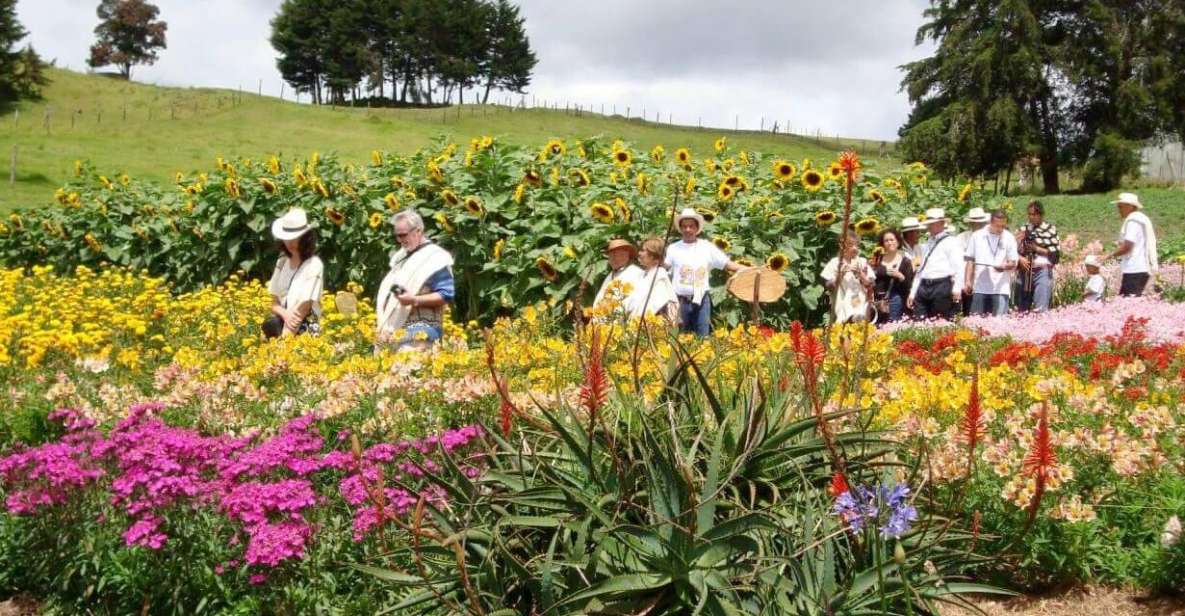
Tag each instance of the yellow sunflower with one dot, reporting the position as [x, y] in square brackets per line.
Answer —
[473, 206]
[835, 171]
[689, 187]
[547, 269]
[784, 170]
[601, 212]
[392, 202]
[520, 191]
[825, 218]
[877, 196]
[232, 188]
[733, 181]
[533, 178]
[877, 252]
[656, 153]
[720, 144]
[580, 178]
[725, 192]
[812, 180]
[867, 226]
[499, 246]
[444, 223]
[268, 186]
[555, 147]
[709, 215]
[335, 216]
[965, 192]
[777, 262]
[376, 219]
[721, 243]
[321, 189]
[450, 197]
[642, 181]
[683, 156]
[376, 157]
[622, 158]
[623, 210]
[710, 165]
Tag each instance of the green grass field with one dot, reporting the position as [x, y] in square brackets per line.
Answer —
[165, 130]
[184, 129]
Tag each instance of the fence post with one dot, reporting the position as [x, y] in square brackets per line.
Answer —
[48, 113]
[260, 87]
[12, 169]
[281, 90]
[627, 113]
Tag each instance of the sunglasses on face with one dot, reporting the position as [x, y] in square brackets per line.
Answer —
[400, 236]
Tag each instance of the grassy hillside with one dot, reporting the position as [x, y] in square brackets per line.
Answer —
[181, 129]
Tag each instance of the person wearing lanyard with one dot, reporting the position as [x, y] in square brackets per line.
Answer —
[296, 283]
[935, 291]
[1039, 253]
[991, 255]
[690, 262]
[976, 219]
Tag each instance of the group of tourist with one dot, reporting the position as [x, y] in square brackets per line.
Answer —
[985, 270]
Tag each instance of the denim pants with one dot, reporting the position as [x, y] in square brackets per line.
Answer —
[1038, 297]
[694, 318]
[989, 304]
[896, 309]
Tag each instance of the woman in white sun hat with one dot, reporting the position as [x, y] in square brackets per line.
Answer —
[1137, 246]
[691, 261]
[296, 282]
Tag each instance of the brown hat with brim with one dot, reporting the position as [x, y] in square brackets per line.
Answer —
[616, 243]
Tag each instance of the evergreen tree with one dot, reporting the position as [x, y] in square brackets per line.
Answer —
[298, 34]
[128, 33]
[509, 60]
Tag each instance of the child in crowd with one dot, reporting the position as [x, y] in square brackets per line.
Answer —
[1096, 286]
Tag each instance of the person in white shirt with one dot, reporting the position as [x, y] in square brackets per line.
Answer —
[990, 257]
[296, 283]
[1096, 285]
[1137, 246]
[911, 231]
[850, 278]
[691, 261]
[654, 293]
[976, 219]
[620, 255]
[936, 289]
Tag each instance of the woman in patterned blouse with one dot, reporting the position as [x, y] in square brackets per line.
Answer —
[1039, 253]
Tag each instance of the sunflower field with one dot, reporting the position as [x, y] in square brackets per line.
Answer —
[524, 224]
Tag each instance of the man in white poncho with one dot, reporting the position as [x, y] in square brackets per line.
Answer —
[409, 308]
[1137, 246]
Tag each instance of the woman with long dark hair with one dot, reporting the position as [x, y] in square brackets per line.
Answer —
[296, 282]
[894, 275]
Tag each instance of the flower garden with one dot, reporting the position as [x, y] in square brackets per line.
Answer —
[159, 456]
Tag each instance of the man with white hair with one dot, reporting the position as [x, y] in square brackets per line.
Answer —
[1137, 246]
[410, 305]
[936, 285]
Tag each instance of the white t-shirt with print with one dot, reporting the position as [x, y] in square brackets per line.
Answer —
[1136, 259]
[1095, 287]
[294, 286]
[986, 251]
[691, 264]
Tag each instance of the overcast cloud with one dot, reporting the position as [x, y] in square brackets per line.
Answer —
[833, 71]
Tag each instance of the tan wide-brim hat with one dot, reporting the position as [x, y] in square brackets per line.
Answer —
[1129, 198]
[910, 223]
[291, 226]
[976, 214]
[935, 214]
[687, 213]
[617, 243]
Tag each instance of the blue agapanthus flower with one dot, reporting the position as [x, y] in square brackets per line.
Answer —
[886, 507]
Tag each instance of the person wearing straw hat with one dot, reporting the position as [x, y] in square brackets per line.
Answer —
[936, 289]
[1137, 246]
[690, 261]
[1096, 285]
[990, 257]
[296, 282]
[976, 219]
[409, 308]
[620, 254]
[911, 230]
[1040, 250]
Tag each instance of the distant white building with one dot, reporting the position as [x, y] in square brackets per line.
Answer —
[1164, 162]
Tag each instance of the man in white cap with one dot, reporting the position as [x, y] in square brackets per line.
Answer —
[1137, 246]
[936, 289]
[691, 261]
[1096, 285]
[976, 219]
[990, 257]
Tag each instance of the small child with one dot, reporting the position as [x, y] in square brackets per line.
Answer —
[1096, 287]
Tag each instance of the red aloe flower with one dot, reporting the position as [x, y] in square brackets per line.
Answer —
[976, 522]
[850, 163]
[839, 484]
[505, 413]
[1040, 460]
[507, 410]
[972, 423]
[595, 389]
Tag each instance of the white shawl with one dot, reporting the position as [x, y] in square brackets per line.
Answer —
[1141, 218]
[662, 294]
[410, 273]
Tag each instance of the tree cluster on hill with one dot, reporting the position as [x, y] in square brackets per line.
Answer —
[22, 73]
[1079, 83]
[425, 49]
[128, 33]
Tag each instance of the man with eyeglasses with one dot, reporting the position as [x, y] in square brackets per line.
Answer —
[410, 305]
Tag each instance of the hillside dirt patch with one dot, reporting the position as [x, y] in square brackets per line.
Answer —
[1085, 601]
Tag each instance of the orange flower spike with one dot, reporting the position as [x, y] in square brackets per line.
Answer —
[849, 161]
[1040, 459]
[595, 389]
[972, 421]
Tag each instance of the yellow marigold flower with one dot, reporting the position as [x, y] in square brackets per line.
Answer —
[335, 216]
[547, 269]
[683, 156]
[450, 197]
[622, 158]
[825, 218]
[473, 206]
[376, 157]
[784, 170]
[444, 223]
[656, 153]
[268, 185]
[812, 180]
[601, 212]
[720, 144]
[777, 262]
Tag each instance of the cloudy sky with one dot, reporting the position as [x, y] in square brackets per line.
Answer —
[833, 71]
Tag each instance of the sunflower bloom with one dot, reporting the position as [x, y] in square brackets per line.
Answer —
[777, 262]
[533, 178]
[656, 153]
[784, 170]
[877, 196]
[720, 144]
[965, 192]
[335, 216]
[835, 171]
[376, 219]
[473, 206]
[622, 158]
[444, 223]
[725, 192]
[391, 201]
[269, 186]
[601, 212]
[825, 218]
[547, 269]
[689, 187]
[519, 192]
[812, 180]
[683, 156]
[450, 197]
[555, 147]
[709, 215]
[92, 242]
[273, 165]
[867, 226]
[642, 181]
[721, 243]
[580, 178]
[376, 157]
[232, 188]
[499, 246]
